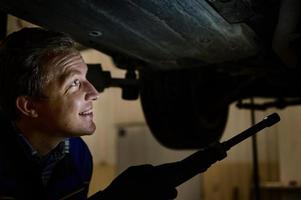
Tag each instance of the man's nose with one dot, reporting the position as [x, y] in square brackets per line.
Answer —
[91, 92]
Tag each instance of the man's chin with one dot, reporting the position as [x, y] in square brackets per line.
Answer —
[90, 133]
[90, 130]
[87, 127]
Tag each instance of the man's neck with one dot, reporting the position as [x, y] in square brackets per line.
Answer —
[40, 141]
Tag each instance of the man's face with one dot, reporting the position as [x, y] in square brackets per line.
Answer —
[67, 110]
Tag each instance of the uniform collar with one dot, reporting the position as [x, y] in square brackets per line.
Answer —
[56, 154]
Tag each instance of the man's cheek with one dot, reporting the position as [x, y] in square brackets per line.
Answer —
[72, 106]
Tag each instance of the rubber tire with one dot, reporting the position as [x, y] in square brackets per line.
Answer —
[183, 109]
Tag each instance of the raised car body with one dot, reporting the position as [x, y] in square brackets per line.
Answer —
[159, 32]
[195, 57]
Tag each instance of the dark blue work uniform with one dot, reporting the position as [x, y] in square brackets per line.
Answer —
[22, 176]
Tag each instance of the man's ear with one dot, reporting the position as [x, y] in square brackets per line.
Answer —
[26, 106]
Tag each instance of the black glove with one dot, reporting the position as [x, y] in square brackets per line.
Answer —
[147, 182]
[138, 183]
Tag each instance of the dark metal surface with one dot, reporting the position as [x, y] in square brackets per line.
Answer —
[160, 32]
[3, 24]
[233, 11]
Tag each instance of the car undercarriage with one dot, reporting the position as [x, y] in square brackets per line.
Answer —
[188, 60]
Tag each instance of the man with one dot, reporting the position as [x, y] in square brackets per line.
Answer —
[47, 104]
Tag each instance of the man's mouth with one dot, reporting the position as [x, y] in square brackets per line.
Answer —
[86, 113]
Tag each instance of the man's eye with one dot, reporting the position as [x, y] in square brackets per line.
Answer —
[75, 83]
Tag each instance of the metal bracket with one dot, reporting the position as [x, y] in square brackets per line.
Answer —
[279, 103]
[102, 79]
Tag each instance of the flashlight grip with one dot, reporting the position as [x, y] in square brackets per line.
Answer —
[266, 122]
[174, 174]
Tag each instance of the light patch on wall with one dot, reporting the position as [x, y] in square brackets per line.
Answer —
[109, 110]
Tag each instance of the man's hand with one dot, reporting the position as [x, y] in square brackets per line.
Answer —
[146, 182]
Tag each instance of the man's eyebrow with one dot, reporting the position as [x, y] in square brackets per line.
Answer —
[69, 74]
[69, 70]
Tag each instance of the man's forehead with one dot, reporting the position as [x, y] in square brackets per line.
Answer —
[65, 61]
[65, 64]
[65, 58]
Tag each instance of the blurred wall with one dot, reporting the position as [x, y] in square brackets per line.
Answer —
[279, 150]
[109, 110]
